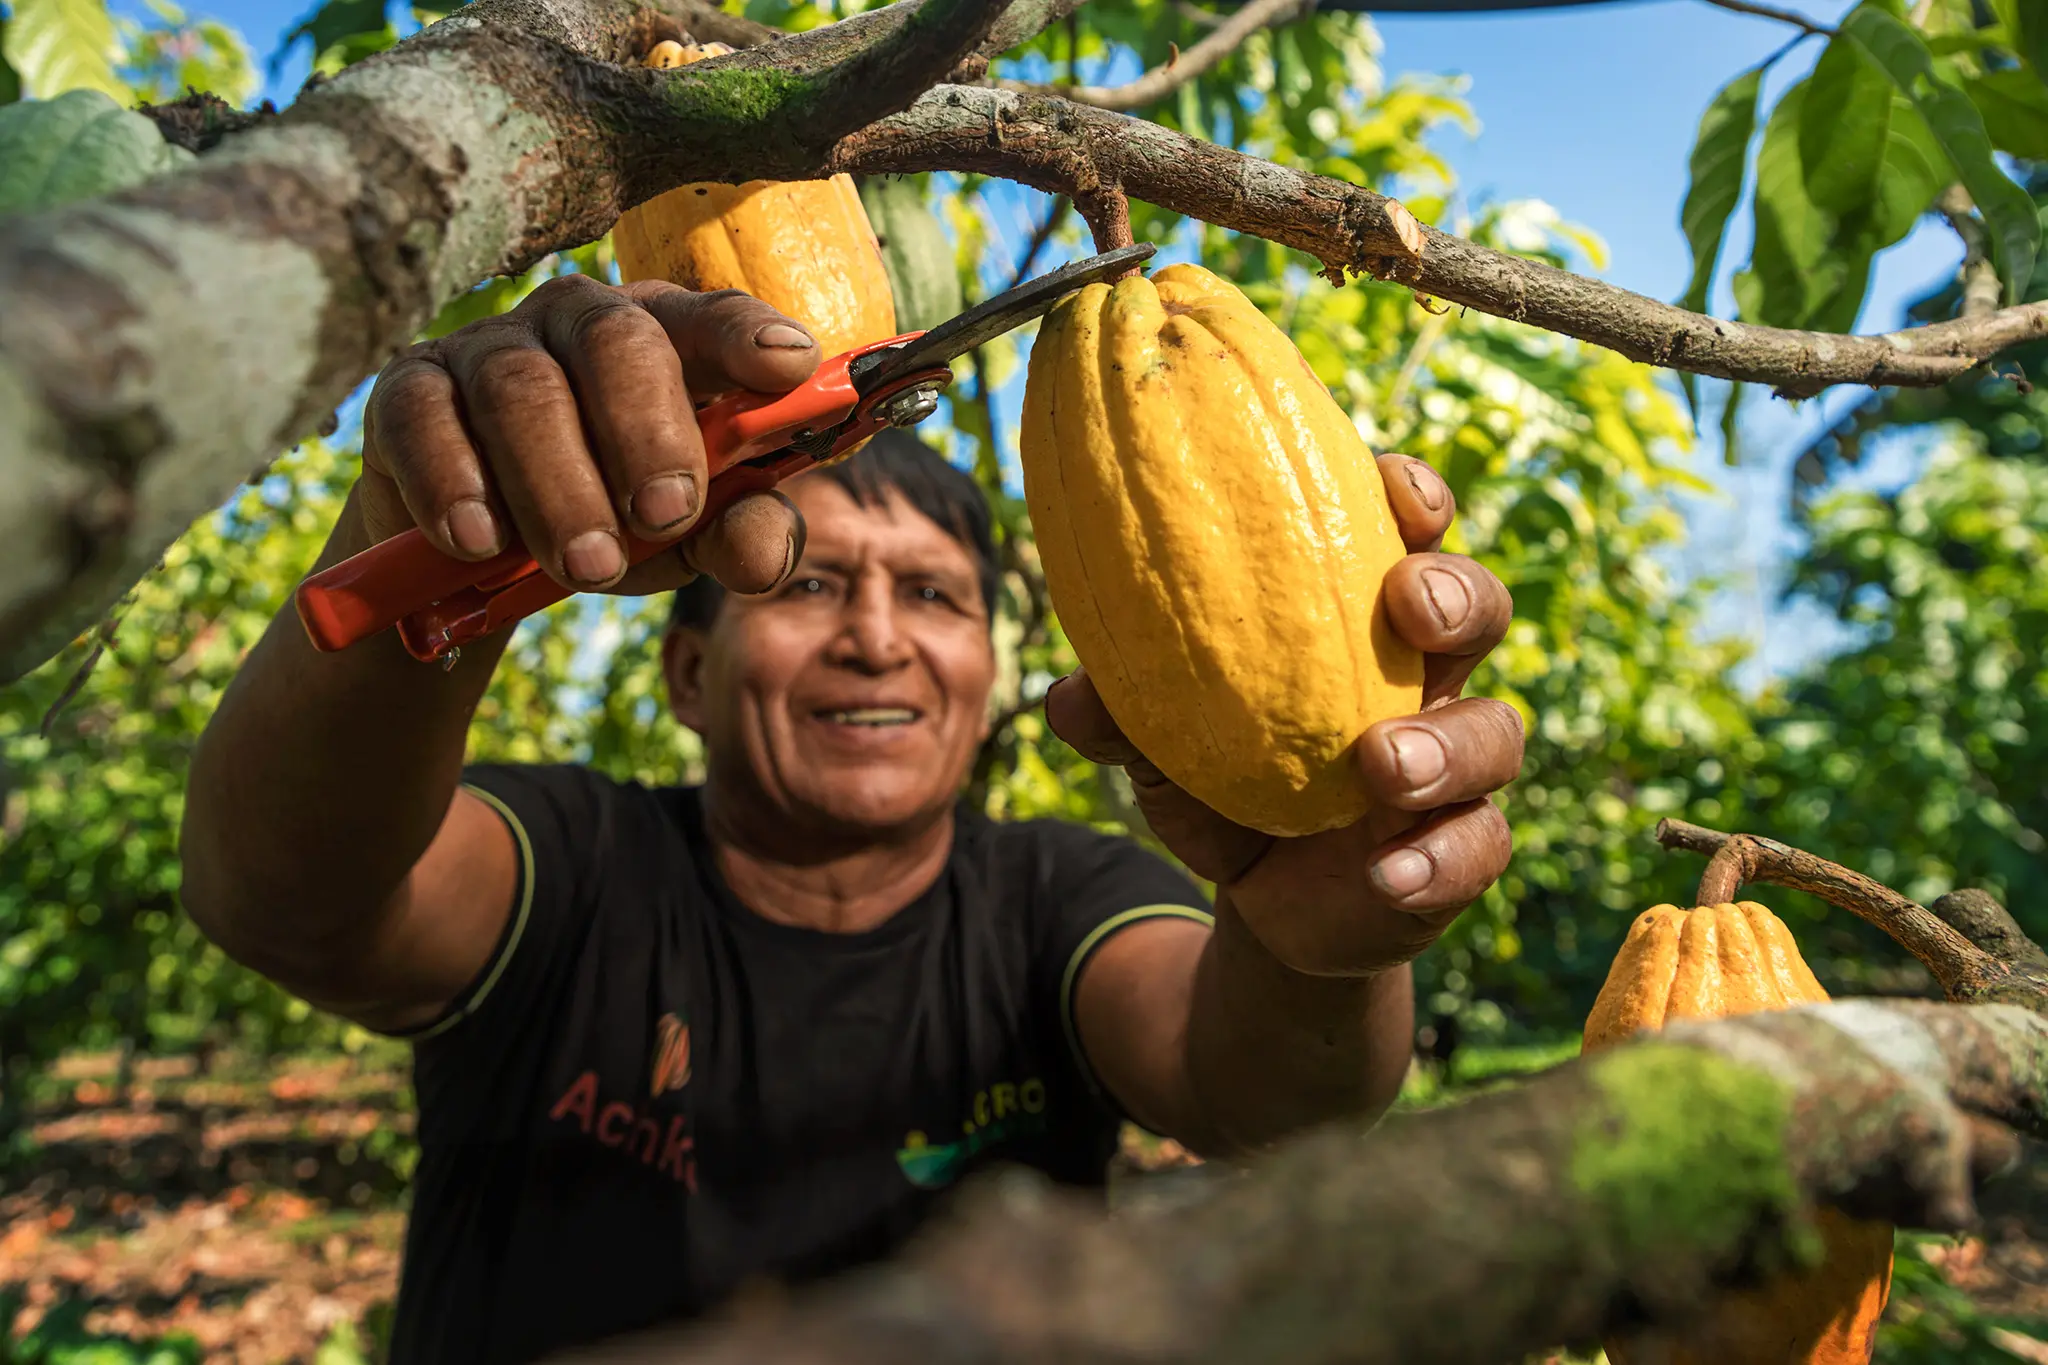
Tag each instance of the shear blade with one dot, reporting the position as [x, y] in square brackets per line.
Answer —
[991, 318]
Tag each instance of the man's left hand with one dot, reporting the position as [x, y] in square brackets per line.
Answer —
[1359, 900]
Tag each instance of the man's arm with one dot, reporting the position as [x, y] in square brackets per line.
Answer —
[327, 840]
[1299, 1007]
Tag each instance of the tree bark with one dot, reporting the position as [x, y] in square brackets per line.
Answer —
[158, 345]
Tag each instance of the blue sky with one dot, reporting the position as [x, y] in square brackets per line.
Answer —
[1593, 109]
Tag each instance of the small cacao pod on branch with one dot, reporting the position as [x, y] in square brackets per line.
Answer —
[1728, 959]
[803, 246]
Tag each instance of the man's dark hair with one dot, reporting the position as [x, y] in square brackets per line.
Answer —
[894, 459]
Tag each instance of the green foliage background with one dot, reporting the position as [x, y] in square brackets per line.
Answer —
[1914, 755]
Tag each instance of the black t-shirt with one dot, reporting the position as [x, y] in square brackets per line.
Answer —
[653, 1095]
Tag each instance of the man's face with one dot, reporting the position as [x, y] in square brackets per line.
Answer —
[854, 697]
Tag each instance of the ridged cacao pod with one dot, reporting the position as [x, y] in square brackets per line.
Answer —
[1215, 537]
[803, 246]
[1736, 959]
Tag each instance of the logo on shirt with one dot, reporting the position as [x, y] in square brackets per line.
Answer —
[1003, 1111]
[671, 1056]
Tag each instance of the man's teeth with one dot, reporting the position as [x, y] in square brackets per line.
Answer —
[873, 715]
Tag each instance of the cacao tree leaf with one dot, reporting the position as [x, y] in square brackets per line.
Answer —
[915, 251]
[1843, 132]
[59, 45]
[1792, 262]
[1720, 156]
[1915, 171]
[2014, 105]
[331, 25]
[2026, 23]
[10, 79]
[79, 145]
[1959, 131]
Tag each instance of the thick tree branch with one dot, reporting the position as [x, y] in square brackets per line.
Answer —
[157, 345]
[1969, 942]
[1468, 1236]
[1161, 81]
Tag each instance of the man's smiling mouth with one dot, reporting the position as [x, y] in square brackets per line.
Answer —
[876, 717]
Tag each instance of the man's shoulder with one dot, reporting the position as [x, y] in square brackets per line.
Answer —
[576, 795]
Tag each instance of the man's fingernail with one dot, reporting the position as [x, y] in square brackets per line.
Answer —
[594, 557]
[792, 552]
[1428, 485]
[782, 336]
[1447, 597]
[1402, 873]
[1143, 773]
[665, 502]
[472, 527]
[1419, 756]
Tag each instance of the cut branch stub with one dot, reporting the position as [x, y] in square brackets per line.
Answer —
[1971, 945]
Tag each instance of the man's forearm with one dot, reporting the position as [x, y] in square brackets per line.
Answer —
[322, 778]
[1271, 1051]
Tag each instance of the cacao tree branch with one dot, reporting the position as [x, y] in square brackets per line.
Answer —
[1974, 949]
[1161, 81]
[1553, 1213]
[158, 344]
[1982, 291]
[1056, 145]
[1783, 16]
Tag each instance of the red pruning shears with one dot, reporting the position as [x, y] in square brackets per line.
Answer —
[752, 441]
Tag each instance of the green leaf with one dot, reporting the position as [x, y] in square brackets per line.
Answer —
[332, 24]
[59, 45]
[1791, 263]
[1731, 425]
[10, 79]
[76, 146]
[2014, 104]
[2028, 25]
[1720, 155]
[1843, 132]
[1959, 131]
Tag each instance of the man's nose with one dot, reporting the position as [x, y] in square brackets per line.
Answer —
[872, 638]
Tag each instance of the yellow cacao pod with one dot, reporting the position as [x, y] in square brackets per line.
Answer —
[1736, 959]
[803, 246]
[1215, 535]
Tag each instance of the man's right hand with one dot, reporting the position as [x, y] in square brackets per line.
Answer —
[569, 420]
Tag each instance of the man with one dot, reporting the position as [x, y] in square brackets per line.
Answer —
[670, 1041]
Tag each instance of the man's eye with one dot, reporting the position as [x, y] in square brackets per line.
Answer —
[931, 594]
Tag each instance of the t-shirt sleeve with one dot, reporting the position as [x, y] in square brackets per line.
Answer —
[1096, 886]
[562, 820]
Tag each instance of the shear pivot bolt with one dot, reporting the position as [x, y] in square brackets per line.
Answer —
[910, 407]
